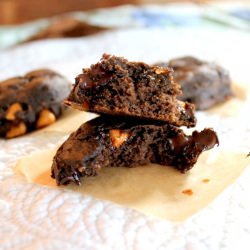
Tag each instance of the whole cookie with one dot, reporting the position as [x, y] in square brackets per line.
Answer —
[203, 83]
[32, 101]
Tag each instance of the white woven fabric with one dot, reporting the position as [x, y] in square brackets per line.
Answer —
[38, 217]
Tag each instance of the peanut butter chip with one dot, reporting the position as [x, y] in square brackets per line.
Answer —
[188, 192]
[118, 137]
[46, 117]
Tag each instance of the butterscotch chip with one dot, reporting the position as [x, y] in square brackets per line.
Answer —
[118, 137]
[12, 110]
[17, 130]
[46, 118]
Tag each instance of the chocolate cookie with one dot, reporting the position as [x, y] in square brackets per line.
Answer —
[119, 142]
[67, 27]
[31, 102]
[204, 84]
[118, 87]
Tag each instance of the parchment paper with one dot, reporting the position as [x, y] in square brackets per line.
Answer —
[154, 190]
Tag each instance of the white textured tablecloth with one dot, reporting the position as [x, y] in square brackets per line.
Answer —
[38, 217]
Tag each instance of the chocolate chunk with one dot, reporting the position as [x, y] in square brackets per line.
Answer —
[108, 142]
[118, 87]
[32, 101]
[204, 84]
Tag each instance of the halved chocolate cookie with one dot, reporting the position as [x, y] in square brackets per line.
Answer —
[118, 87]
[106, 142]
